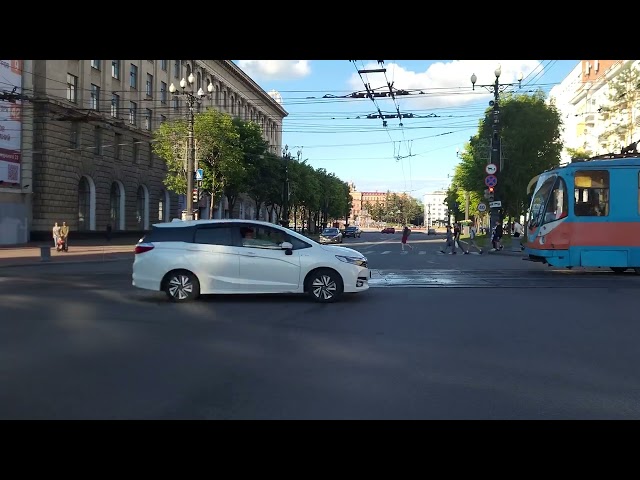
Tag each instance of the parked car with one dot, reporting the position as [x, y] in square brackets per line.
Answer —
[352, 232]
[188, 258]
[330, 235]
[388, 230]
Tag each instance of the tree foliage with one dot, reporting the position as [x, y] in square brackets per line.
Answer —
[624, 94]
[396, 208]
[530, 134]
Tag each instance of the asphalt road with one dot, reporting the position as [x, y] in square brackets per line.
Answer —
[78, 342]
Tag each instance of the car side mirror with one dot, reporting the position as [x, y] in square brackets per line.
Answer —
[287, 247]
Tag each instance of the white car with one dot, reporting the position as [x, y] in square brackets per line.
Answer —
[189, 258]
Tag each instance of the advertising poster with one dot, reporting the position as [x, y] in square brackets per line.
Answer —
[10, 122]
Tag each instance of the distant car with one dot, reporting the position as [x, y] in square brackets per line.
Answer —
[330, 235]
[431, 231]
[388, 230]
[188, 258]
[352, 232]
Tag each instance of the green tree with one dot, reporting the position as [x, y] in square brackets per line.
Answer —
[530, 133]
[579, 152]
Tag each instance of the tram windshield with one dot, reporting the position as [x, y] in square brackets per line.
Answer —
[549, 201]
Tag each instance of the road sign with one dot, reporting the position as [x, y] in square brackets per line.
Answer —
[482, 207]
[491, 169]
[496, 204]
[491, 180]
[199, 173]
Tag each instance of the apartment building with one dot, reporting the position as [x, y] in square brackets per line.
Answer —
[435, 211]
[86, 140]
[579, 99]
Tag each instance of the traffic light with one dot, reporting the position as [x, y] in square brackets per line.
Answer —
[491, 196]
[490, 189]
[195, 195]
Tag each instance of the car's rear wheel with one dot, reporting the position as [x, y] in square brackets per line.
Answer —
[325, 285]
[181, 286]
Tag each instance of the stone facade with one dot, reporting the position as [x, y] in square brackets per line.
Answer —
[93, 164]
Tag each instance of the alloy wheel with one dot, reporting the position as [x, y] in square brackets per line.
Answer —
[324, 287]
[180, 287]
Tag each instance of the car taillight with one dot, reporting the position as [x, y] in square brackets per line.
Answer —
[143, 247]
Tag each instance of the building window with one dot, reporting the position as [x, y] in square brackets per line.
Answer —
[591, 193]
[163, 65]
[74, 136]
[133, 81]
[149, 85]
[176, 69]
[198, 81]
[115, 105]
[133, 113]
[115, 69]
[95, 64]
[97, 140]
[114, 203]
[117, 147]
[176, 104]
[136, 151]
[84, 204]
[147, 119]
[150, 153]
[161, 206]
[94, 103]
[163, 92]
[72, 88]
[163, 118]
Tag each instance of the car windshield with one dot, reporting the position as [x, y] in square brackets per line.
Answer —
[351, 228]
[330, 231]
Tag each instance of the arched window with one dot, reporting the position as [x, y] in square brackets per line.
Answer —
[115, 202]
[84, 205]
[198, 81]
[188, 72]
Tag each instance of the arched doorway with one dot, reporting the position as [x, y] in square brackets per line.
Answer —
[86, 204]
[142, 208]
[116, 206]
[164, 207]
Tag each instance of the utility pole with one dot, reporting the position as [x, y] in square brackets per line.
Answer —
[285, 188]
[191, 157]
[495, 164]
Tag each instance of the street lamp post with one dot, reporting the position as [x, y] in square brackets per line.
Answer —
[192, 99]
[496, 147]
[285, 188]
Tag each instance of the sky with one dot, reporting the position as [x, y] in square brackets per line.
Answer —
[413, 155]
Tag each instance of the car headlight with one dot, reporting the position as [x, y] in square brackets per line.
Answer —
[360, 261]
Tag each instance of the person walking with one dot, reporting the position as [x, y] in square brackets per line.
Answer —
[56, 234]
[64, 234]
[472, 240]
[406, 231]
[496, 236]
[450, 242]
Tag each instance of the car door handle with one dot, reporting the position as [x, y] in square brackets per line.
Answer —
[248, 254]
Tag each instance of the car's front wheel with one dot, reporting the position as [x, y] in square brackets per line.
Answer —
[325, 285]
[181, 286]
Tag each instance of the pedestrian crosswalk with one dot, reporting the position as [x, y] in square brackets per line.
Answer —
[368, 253]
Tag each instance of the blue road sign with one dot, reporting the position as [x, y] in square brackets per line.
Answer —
[199, 174]
[491, 181]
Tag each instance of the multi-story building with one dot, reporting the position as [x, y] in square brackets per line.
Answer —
[435, 210]
[356, 205]
[580, 97]
[359, 214]
[86, 141]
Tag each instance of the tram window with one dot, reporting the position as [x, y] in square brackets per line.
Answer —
[558, 202]
[591, 193]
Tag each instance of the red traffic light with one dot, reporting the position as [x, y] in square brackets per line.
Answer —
[490, 189]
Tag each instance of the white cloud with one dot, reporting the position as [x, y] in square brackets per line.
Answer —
[275, 69]
[445, 84]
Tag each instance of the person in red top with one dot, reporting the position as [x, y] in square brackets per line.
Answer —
[405, 237]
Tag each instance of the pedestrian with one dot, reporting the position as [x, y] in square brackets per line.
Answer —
[450, 242]
[456, 234]
[64, 234]
[472, 240]
[406, 231]
[108, 234]
[496, 236]
[56, 234]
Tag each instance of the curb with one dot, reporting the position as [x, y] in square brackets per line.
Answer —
[63, 262]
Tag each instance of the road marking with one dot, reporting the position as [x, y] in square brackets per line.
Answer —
[422, 252]
[403, 253]
[384, 253]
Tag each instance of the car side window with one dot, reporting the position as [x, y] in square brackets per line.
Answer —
[217, 235]
[297, 243]
[259, 236]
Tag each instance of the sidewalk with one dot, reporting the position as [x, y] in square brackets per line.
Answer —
[80, 251]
